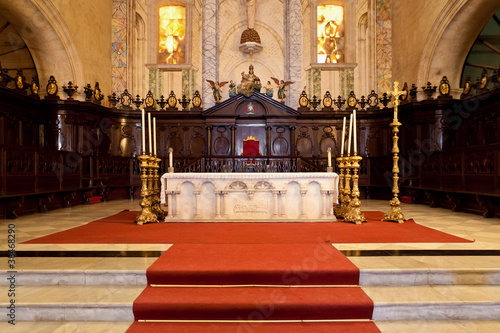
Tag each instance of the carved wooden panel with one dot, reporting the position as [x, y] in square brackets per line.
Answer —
[304, 144]
[222, 141]
[280, 141]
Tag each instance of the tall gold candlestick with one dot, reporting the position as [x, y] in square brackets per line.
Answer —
[354, 213]
[156, 206]
[340, 209]
[347, 187]
[395, 214]
[145, 215]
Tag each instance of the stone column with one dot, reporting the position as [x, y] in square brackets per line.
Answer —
[198, 208]
[217, 207]
[283, 204]
[226, 203]
[210, 49]
[275, 200]
[323, 204]
[292, 33]
[304, 205]
[170, 213]
[177, 203]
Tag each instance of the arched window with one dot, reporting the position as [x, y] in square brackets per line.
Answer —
[330, 31]
[172, 34]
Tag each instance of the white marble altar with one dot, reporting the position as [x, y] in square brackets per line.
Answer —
[250, 197]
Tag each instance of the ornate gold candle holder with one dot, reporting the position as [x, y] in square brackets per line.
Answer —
[156, 207]
[339, 211]
[346, 198]
[395, 214]
[354, 213]
[145, 215]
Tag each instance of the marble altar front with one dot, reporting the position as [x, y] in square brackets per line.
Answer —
[250, 197]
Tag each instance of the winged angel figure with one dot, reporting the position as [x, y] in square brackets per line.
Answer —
[281, 88]
[217, 89]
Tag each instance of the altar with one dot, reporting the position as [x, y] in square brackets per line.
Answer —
[250, 197]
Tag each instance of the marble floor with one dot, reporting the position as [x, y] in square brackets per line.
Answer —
[477, 276]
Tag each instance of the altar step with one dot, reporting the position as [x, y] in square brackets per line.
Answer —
[462, 288]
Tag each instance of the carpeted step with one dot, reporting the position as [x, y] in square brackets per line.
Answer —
[249, 264]
[255, 327]
[252, 303]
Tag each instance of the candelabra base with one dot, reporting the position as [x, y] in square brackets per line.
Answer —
[329, 169]
[156, 209]
[395, 214]
[354, 213]
[170, 170]
[145, 215]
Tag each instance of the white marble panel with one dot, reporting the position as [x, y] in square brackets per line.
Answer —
[250, 196]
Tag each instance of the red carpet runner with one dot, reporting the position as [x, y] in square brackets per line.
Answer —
[297, 282]
[120, 229]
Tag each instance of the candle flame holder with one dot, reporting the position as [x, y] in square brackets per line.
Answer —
[354, 213]
[145, 215]
[395, 214]
[339, 211]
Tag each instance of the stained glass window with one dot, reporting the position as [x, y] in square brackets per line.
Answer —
[330, 34]
[172, 33]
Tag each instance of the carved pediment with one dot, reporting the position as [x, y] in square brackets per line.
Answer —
[256, 106]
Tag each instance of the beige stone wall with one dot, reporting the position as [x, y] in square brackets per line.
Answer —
[269, 24]
[412, 22]
[89, 23]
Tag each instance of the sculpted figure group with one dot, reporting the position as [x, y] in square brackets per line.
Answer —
[249, 83]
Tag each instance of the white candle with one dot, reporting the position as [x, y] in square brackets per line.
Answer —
[329, 157]
[143, 133]
[149, 133]
[355, 133]
[343, 138]
[154, 135]
[170, 157]
[350, 136]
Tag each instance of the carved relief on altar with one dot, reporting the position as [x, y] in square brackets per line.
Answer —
[238, 185]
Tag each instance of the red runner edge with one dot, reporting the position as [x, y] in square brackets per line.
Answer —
[255, 327]
[120, 229]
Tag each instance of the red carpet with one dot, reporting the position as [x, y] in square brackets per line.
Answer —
[290, 281]
[120, 229]
[252, 303]
[244, 264]
[257, 327]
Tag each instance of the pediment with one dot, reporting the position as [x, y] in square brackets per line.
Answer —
[256, 106]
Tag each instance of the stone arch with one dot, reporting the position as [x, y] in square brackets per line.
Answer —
[48, 38]
[451, 38]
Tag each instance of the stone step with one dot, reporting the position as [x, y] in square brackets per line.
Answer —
[114, 303]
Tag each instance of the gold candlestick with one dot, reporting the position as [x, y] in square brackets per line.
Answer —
[354, 213]
[340, 209]
[156, 207]
[145, 215]
[346, 200]
[395, 214]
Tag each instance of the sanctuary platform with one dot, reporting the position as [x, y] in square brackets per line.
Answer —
[250, 197]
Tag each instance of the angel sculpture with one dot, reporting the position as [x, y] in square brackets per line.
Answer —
[281, 88]
[217, 89]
